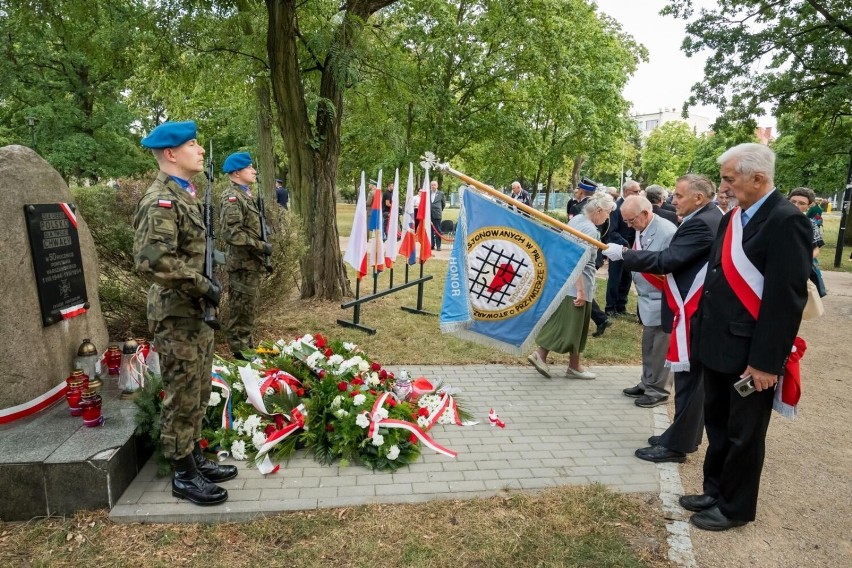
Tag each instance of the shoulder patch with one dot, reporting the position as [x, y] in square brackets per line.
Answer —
[164, 203]
[232, 199]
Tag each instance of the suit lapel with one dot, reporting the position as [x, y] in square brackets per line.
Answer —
[754, 224]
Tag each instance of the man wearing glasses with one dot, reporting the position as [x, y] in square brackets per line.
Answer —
[684, 264]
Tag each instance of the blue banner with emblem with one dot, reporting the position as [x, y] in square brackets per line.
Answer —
[508, 273]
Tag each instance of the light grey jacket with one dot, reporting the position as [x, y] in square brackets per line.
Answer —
[656, 237]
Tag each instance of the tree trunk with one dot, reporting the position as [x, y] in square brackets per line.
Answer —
[265, 144]
[547, 189]
[575, 171]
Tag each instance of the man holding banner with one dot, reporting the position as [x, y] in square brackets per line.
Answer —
[684, 264]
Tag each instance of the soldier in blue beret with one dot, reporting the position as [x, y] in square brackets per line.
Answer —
[168, 248]
[239, 218]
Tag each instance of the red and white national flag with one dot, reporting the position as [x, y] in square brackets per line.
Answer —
[424, 214]
[356, 249]
[407, 247]
[392, 244]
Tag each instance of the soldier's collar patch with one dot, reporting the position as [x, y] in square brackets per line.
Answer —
[232, 199]
[165, 203]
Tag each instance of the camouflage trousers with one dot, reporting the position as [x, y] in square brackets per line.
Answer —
[185, 347]
[243, 288]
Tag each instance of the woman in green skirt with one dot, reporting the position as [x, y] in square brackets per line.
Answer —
[568, 327]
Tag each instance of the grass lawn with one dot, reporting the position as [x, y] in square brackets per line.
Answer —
[830, 230]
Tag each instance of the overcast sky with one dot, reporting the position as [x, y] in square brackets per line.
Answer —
[665, 80]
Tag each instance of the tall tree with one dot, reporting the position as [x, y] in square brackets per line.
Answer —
[312, 139]
[668, 153]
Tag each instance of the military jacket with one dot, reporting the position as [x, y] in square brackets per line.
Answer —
[169, 246]
[239, 219]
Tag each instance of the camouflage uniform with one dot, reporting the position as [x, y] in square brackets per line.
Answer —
[240, 224]
[169, 247]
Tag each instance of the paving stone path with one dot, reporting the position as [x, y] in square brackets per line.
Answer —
[558, 432]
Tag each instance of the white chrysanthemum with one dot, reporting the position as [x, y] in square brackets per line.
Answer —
[314, 358]
[446, 418]
[215, 399]
[430, 401]
[238, 387]
[238, 450]
[338, 400]
[307, 339]
[287, 350]
[393, 452]
[363, 366]
[378, 440]
[423, 422]
[258, 439]
[238, 425]
[359, 399]
[349, 346]
[382, 413]
[362, 420]
[335, 359]
[374, 379]
[341, 413]
[252, 423]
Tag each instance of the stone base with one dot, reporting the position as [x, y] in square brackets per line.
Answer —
[50, 464]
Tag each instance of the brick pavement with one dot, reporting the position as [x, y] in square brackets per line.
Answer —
[558, 432]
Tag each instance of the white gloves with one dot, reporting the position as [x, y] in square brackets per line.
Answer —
[614, 252]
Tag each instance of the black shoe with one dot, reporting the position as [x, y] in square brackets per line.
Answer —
[697, 503]
[713, 519]
[189, 484]
[654, 440]
[659, 454]
[634, 392]
[601, 328]
[648, 401]
[212, 471]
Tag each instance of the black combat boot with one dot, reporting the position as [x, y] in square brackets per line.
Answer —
[211, 470]
[189, 484]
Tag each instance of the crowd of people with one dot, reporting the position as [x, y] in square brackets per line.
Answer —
[720, 276]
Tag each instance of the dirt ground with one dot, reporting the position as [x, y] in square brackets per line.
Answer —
[804, 515]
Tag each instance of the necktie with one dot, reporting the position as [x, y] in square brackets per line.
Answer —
[744, 218]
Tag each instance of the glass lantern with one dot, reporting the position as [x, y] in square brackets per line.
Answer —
[129, 375]
[88, 359]
[90, 407]
[113, 359]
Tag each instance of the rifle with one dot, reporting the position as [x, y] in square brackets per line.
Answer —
[264, 228]
[209, 310]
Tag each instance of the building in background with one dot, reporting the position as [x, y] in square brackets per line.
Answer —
[650, 121]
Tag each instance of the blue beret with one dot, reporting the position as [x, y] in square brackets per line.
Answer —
[587, 185]
[236, 161]
[170, 135]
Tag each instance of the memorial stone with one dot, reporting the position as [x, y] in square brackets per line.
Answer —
[49, 307]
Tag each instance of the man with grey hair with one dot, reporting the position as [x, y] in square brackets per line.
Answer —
[683, 264]
[656, 194]
[618, 279]
[653, 233]
[744, 331]
[520, 194]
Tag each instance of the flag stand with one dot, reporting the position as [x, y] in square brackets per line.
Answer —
[419, 309]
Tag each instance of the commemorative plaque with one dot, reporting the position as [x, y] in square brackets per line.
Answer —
[58, 264]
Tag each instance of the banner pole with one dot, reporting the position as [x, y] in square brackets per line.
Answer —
[525, 208]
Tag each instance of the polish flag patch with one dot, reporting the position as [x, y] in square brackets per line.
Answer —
[165, 203]
[232, 199]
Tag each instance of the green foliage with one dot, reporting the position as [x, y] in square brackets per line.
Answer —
[711, 145]
[805, 161]
[149, 403]
[668, 153]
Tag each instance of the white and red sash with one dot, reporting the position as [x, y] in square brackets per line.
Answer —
[683, 309]
[746, 281]
[654, 280]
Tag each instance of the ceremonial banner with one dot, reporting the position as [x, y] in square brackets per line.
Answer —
[407, 244]
[507, 274]
[392, 244]
[356, 249]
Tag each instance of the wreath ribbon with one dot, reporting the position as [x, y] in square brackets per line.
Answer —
[413, 428]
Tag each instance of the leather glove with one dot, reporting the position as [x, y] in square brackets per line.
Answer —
[213, 293]
[267, 248]
[614, 252]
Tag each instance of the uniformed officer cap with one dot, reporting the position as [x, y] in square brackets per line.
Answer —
[236, 161]
[170, 135]
[587, 185]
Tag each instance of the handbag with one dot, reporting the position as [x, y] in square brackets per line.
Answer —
[814, 308]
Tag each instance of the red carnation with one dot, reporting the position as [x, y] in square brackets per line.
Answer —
[162, 395]
[413, 439]
[423, 411]
[383, 375]
[357, 381]
[269, 430]
[279, 421]
[319, 341]
[375, 367]
[391, 402]
[341, 386]
[204, 443]
[300, 392]
[374, 393]
[329, 427]
[329, 352]
[321, 374]
[354, 393]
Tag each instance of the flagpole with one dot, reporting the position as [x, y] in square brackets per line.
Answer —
[444, 167]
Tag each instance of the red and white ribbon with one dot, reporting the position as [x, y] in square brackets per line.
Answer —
[264, 464]
[35, 405]
[66, 208]
[743, 277]
[683, 308]
[70, 312]
[377, 422]
[655, 280]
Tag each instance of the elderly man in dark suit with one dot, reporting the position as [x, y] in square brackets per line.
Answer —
[746, 329]
[683, 263]
[619, 278]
